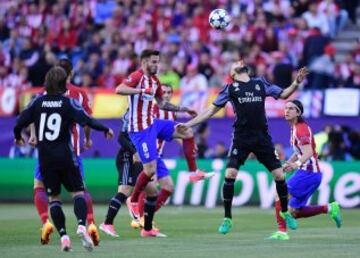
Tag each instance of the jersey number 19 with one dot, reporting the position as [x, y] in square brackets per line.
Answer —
[53, 125]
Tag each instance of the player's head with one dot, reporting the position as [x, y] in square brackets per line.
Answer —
[237, 68]
[150, 59]
[294, 110]
[66, 65]
[167, 91]
[55, 81]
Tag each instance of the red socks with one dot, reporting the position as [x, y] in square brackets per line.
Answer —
[313, 210]
[141, 182]
[280, 221]
[141, 203]
[162, 197]
[189, 152]
[90, 210]
[41, 203]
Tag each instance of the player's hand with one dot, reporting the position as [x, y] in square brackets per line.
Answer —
[181, 128]
[286, 168]
[301, 75]
[191, 112]
[33, 140]
[109, 134]
[19, 142]
[87, 143]
[290, 166]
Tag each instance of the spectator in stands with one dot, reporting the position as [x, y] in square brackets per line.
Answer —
[316, 19]
[180, 29]
[322, 70]
[336, 17]
[107, 79]
[282, 70]
[204, 67]
[354, 80]
[351, 7]
[193, 89]
[29, 54]
[169, 76]
[314, 46]
[299, 7]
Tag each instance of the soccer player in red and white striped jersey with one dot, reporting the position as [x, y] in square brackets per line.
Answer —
[144, 88]
[307, 177]
[40, 197]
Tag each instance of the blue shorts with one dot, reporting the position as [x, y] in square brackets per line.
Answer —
[301, 186]
[161, 169]
[145, 140]
[38, 176]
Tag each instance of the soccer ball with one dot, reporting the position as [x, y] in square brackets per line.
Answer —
[219, 19]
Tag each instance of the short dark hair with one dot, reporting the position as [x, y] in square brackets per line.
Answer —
[146, 53]
[55, 81]
[66, 65]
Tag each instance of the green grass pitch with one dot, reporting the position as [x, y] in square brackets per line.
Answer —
[192, 232]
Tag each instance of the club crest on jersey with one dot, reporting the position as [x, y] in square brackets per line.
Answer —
[236, 86]
[235, 152]
[257, 87]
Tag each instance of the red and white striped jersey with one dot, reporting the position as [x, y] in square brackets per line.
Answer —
[301, 135]
[141, 105]
[80, 95]
[165, 115]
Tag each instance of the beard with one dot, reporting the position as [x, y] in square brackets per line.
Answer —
[152, 71]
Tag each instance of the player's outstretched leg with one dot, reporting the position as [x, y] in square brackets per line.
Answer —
[92, 229]
[58, 217]
[80, 210]
[228, 194]
[333, 209]
[114, 206]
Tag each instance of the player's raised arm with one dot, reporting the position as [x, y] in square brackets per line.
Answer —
[301, 75]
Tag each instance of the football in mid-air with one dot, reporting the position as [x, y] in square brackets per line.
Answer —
[219, 19]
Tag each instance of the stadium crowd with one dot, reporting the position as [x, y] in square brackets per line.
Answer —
[104, 37]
